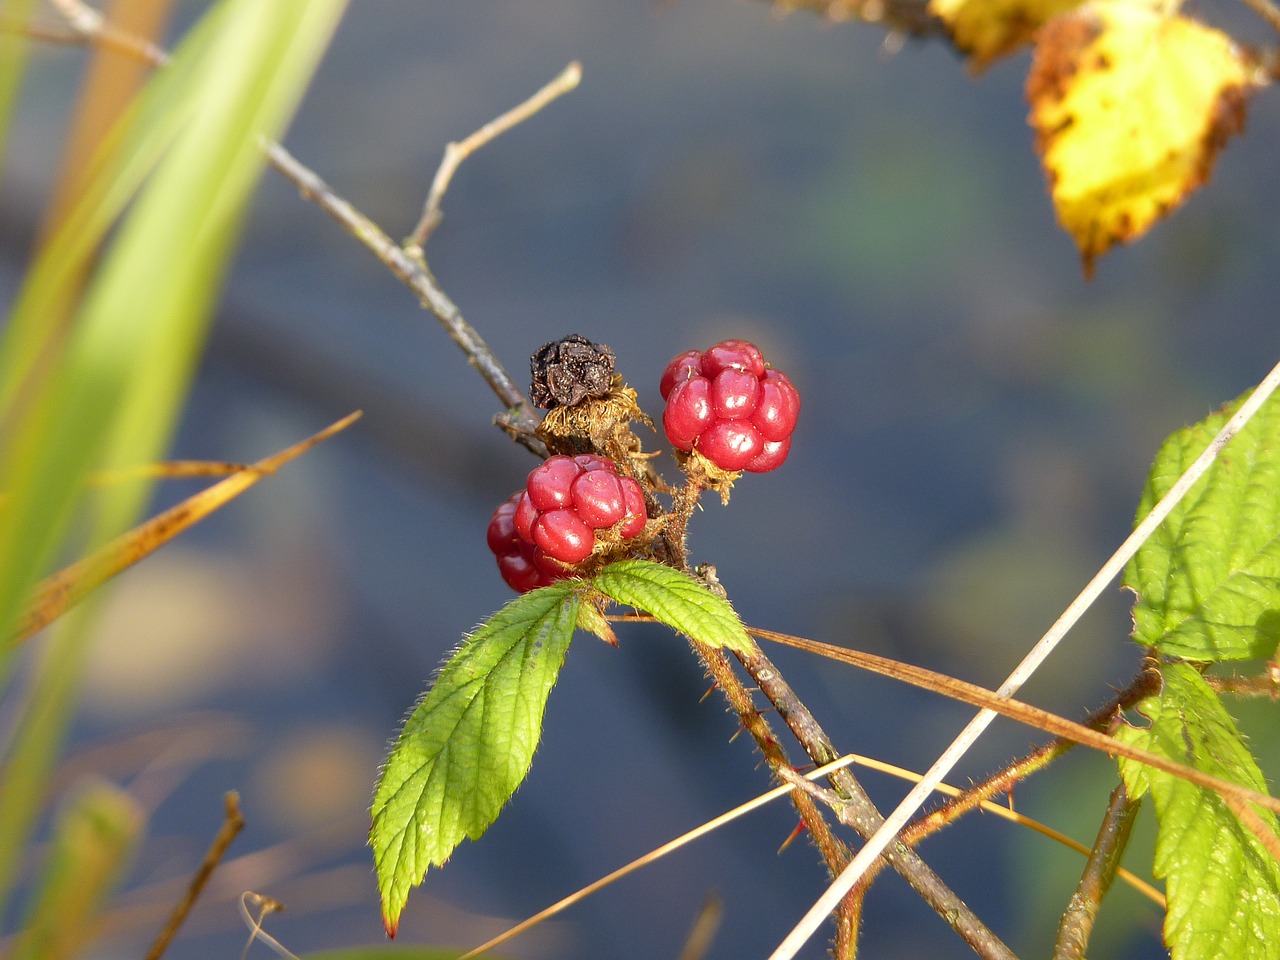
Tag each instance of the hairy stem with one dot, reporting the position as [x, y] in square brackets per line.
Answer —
[856, 809]
[833, 851]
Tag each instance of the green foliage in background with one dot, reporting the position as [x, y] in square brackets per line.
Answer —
[96, 361]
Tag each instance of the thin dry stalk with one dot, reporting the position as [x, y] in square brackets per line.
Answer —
[456, 152]
[231, 827]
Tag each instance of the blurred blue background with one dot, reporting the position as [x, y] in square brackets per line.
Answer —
[977, 426]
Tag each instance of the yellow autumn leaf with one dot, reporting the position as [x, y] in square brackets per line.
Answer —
[986, 30]
[1130, 106]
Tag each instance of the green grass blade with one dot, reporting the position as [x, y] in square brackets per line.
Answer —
[101, 383]
[93, 841]
[469, 742]
[13, 61]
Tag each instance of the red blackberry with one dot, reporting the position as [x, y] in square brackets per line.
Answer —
[727, 404]
[568, 505]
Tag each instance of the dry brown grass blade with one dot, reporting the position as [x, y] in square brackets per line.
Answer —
[1025, 713]
[57, 594]
[168, 470]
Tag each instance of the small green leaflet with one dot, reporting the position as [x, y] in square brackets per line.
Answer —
[675, 598]
[469, 742]
[1208, 580]
[1223, 886]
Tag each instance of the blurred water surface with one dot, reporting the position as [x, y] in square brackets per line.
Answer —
[978, 422]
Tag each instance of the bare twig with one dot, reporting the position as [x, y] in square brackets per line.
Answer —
[518, 419]
[231, 827]
[456, 152]
[1099, 871]
[1267, 10]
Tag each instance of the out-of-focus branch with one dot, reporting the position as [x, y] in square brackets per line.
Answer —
[86, 25]
[903, 17]
[231, 827]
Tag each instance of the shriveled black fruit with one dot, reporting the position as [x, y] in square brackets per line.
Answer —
[567, 371]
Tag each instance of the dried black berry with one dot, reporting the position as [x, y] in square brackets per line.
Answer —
[567, 371]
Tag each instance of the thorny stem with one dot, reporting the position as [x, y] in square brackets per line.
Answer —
[1099, 871]
[856, 809]
[753, 721]
[1263, 685]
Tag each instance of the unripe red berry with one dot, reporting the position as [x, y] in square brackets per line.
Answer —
[734, 394]
[778, 409]
[682, 367]
[562, 535]
[730, 444]
[537, 545]
[597, 499]
[515, 555]
[733, 355]
[548, 484]
[770, 456]
[727, 404]
[688, 412]
[633, 497]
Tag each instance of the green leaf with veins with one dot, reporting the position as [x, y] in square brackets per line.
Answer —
[1223, 885]
[1208, 580]
[675, 598]
[469, 742]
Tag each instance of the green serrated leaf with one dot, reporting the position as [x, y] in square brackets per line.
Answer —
[1223, 886]
[675, 598]
[1208, 580]
[469, 742]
